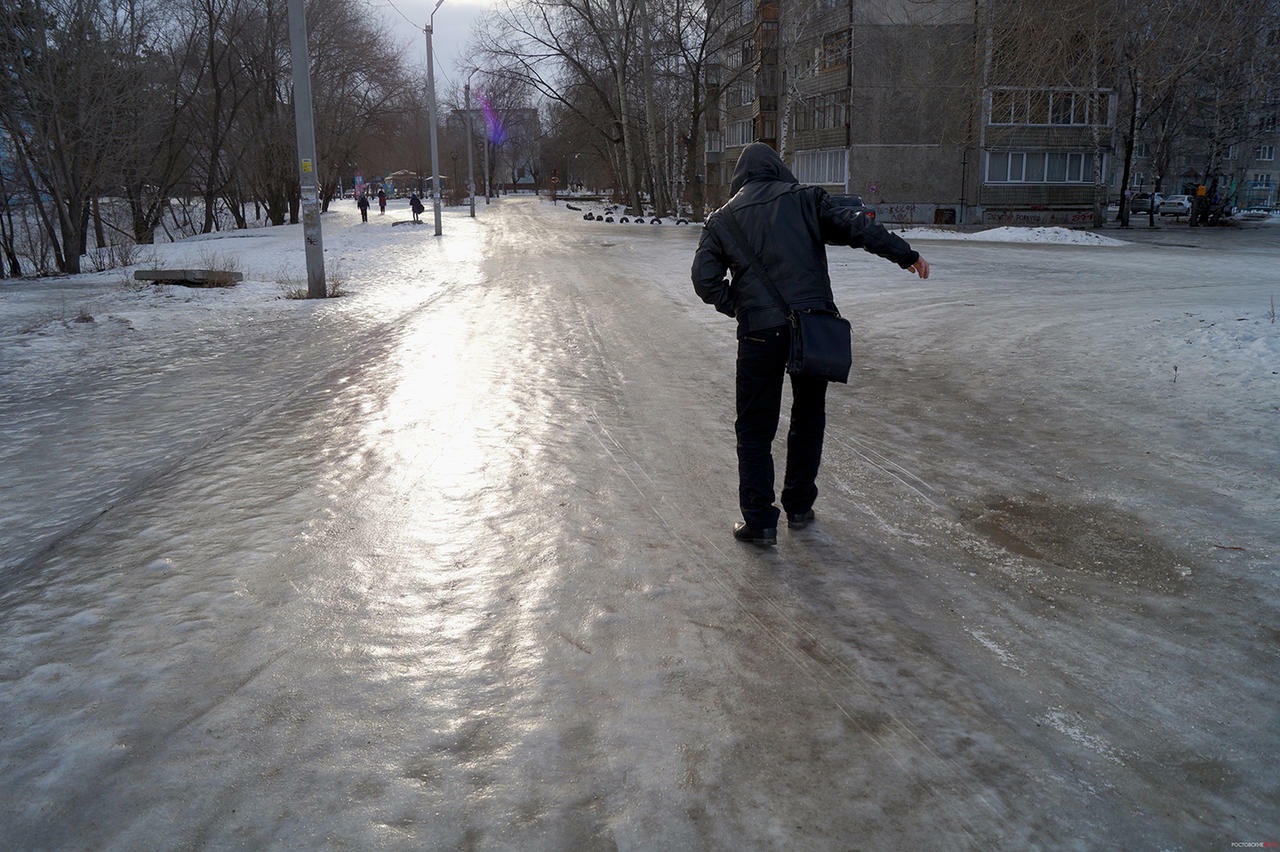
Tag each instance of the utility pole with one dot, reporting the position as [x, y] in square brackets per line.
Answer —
[471, 175]
[314, 244]
[431, 86]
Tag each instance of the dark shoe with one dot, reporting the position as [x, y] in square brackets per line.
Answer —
[799, 520]
[755, 535]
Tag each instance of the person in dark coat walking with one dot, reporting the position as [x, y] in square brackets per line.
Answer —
[788, 225]
[363, 203]
[415, 204]
[382, 202]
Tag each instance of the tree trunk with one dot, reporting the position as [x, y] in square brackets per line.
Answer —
[143, 226]
[97, 223]
[656, 179]
[1099, 188]
[7, 235]
[631, 179]
[83, 241]
[1128, 151]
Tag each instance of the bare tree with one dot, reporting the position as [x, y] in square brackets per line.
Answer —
[355, 79]
[8, 199]
[59, 62]
[572, 52]
[1233, 84]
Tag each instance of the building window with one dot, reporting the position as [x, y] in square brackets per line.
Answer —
[1008, 108]
[997, 167]
[835, 50]
[740, 133]
[1142, 150]
[1231, 152]
[748, 51]
[715, 141]
[1039, 167]
[1038, 107]
[1267, 124]
[822, 166]
[823, 112]
[748, 11]
[1265, 152]
[1060, 109]
[1261, 181]
[1033, 168]
[1137, 180]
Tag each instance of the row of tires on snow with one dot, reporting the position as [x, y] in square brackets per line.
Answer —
[639, 220]
[607, 217]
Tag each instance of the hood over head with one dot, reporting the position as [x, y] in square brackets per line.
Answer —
[759, 162]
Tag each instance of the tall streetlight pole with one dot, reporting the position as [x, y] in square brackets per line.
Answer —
[471, 175]
[313, 243]
[431, 88]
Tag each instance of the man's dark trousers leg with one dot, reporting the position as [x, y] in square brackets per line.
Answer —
[804, 443]
[762, 361]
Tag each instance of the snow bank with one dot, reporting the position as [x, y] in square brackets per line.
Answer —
[1061, 236]
[1226, 348]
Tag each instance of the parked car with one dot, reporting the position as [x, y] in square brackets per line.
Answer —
[855, 203]
[1145, 202]
[1176, 205]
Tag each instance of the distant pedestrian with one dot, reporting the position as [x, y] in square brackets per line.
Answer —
[415, 204]
[363, 203]
[382, 202]
[771, 236]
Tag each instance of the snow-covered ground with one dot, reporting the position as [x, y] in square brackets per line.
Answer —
[445, 562]
[1054, 235]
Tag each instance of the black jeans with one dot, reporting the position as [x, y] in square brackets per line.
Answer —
[762, 362]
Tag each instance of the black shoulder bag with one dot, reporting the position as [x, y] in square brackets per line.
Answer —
[820, 339]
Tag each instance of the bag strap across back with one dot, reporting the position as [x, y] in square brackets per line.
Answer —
[741, 238]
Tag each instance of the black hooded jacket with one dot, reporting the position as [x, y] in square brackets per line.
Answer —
[789, 225]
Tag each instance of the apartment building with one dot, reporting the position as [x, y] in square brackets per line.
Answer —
[1247, 173]
[894, 100]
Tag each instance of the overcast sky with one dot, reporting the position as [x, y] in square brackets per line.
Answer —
[452, 34]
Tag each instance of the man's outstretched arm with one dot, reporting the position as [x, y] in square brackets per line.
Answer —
[843, 227]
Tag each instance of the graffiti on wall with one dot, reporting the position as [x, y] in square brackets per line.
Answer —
[1028, 218]
[896, 213]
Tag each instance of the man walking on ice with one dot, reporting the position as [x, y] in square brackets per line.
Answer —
[787, 227]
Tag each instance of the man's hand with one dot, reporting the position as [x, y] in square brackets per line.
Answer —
[920, 267]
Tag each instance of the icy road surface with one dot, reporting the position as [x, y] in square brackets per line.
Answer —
[446, 563]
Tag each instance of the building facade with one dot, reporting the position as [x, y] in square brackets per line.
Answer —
[1246, 173]
[894, 100]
